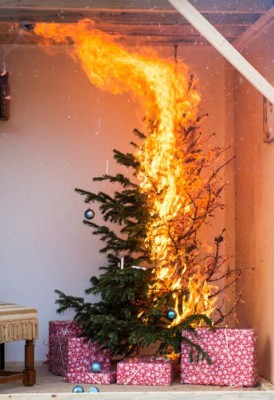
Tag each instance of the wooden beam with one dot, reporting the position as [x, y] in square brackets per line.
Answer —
[124, 39]
[118, 16]
[168, 30]
[217, 5]
[152, 395]
[166, 10]
[224, 47]
[257, 28]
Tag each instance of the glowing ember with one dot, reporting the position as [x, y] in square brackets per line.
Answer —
[179, 197]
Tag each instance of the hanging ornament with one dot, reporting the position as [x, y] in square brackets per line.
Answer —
[93, 389]
[78, 389]
[96, 366]
[89, 214]
[171, 315]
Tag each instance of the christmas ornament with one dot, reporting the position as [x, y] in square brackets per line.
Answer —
[89, 214]
[93, 389]
[78, 389]
[171, 315]
[96, 366]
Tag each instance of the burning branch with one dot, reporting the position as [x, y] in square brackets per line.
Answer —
[178, 217]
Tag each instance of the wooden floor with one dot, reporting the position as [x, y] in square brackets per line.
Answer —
[49, 387]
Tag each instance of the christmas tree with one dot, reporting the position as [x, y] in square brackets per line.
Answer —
[138, 308]
[161, 213]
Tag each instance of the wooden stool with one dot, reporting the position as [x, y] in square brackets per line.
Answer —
[18, 323]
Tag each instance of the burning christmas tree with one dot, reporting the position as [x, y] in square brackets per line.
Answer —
[175, 190]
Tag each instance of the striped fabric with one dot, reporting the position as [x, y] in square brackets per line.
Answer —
[17, 323]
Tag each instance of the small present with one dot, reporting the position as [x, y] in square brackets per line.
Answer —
[105, 377]
[68, 328]
[64, 328]
[144, 370]
[232, 353]
[73, 353]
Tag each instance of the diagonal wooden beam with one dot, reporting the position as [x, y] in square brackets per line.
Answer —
[254, 30]
[224, 47]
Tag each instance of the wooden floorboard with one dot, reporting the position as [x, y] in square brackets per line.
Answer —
[144, 396]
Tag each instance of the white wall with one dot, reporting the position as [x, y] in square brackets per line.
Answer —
[60, 133]
[254, 203]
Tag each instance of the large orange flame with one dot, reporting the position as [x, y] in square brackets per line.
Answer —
[170, 102]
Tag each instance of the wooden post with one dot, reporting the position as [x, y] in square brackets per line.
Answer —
[29, 371]
[2, 356]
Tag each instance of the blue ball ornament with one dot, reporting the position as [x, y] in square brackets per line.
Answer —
[171, 315]
[78, 389]
[96, 366]
[89, 214]
[93, 389]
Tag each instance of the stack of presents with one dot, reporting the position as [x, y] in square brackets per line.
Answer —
[232, 353]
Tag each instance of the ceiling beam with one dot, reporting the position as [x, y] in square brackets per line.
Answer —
[262, 24]
[148, 17]
[224, 47]
[218, 5]
[68, 8]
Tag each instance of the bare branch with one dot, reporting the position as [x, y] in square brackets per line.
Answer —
[224, 316]
[226, 286]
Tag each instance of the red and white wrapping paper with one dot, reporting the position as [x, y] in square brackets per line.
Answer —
[68, 354]
[105, 377]
[146, 371]
[64, 328]
[60, 328]
[233, 356]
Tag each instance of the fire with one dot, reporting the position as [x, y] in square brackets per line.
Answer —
[166, 175]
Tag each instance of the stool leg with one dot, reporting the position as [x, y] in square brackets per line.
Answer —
[29, 371]
[2, 356]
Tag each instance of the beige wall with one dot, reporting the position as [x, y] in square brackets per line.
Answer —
[59, 136]
[254, 204]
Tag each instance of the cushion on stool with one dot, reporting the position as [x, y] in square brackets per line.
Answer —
[17, 323]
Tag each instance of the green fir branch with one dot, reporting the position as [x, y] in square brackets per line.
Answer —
[127, 160]
[118, 178]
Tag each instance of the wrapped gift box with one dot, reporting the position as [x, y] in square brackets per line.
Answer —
[64, 328]
[146, 371]
[68, 328]
[68, 354]
[105, 377]
[233, 356]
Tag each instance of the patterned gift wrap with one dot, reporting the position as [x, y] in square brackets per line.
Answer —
[233, 356]
[104, 377]
[68, 354]
[68, 328]
[64, 328]
[146, 371]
